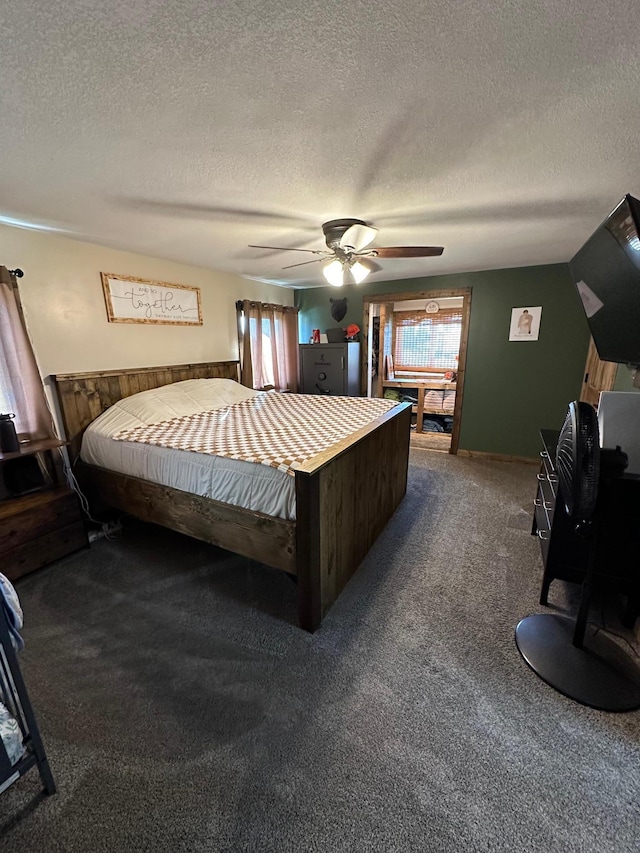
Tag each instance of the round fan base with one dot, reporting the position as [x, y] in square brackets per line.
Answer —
[600, 674]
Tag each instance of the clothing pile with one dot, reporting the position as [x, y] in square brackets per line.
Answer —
[10, 732]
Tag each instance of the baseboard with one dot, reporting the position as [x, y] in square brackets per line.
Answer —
[499, 457]
[439, 442]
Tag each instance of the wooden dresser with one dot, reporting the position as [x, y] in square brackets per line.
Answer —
[42, 525]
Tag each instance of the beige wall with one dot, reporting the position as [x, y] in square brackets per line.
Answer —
[64, 306]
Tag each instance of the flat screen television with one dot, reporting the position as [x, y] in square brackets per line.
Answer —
[606, 272]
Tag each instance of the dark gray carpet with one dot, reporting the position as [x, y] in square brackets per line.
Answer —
[182, 710]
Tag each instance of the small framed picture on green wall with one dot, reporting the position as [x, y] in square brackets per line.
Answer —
[525, 324]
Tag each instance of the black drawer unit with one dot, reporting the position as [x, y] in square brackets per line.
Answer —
[565, 552]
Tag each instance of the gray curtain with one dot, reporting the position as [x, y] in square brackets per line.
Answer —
[21, 390]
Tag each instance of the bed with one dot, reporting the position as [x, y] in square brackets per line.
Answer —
[344, 495]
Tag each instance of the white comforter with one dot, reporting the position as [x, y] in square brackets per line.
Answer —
[243, 484]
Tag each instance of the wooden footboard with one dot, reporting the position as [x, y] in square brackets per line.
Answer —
[344, 496]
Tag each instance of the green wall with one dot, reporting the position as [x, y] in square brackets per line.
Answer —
[512, 388]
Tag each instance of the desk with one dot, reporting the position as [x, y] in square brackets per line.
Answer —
[421, 387]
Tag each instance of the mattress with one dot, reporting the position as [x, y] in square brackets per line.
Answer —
[243, 484]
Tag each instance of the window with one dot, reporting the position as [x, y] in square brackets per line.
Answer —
[268, 340]
[426, 341]
[7, 398]
[270, 335]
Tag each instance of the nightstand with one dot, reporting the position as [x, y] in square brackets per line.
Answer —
[43, 525]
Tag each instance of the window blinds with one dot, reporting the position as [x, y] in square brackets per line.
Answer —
[422, 341]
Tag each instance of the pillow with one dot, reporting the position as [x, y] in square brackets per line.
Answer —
[170, 401]
[183, 398]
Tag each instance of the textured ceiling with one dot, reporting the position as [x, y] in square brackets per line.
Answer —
[504, 131]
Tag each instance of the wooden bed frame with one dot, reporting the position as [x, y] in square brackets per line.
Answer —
[344, 496]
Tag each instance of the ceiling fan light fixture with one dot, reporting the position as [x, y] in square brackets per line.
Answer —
[347, 258]
[358, 237]
[359, 270]
[334, 273]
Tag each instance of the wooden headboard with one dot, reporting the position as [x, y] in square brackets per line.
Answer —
[84, 396]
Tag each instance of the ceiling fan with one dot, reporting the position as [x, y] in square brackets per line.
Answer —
[349, 254]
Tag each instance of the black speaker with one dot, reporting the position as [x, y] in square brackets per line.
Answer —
[23, 475]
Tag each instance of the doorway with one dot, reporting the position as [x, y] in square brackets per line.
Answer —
[598, 376]
[415, 346]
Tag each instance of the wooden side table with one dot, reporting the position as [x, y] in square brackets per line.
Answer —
[43, 525]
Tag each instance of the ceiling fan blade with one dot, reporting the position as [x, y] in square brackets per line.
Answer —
[407, 251]
[314, 261]
[357, 237]
[287, 249]
[366, 259]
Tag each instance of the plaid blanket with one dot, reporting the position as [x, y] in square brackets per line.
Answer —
[279, 430]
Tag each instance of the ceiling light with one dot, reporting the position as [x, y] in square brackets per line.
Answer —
[359, 270]
[334, 273]
[340, 272]
[357, 237]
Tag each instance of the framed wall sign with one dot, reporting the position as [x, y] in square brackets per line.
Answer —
[525, 324]
[140, 300]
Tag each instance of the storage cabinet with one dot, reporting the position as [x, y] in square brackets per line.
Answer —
[434, 397]
[332, 369]
[41, 526]
[565, 553]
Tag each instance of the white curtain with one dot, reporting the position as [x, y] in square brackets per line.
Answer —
[21, 391]
[268, 336]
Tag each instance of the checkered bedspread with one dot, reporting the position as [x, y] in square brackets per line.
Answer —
[279, 430]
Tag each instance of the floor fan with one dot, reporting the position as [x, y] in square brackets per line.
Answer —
[574, 657]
